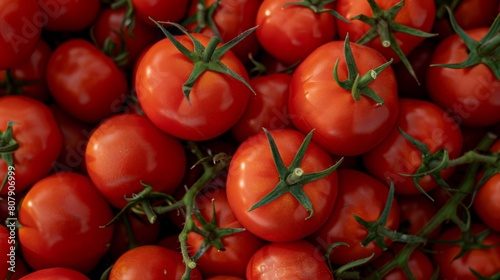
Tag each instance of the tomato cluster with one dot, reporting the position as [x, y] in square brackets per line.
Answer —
[249, 139]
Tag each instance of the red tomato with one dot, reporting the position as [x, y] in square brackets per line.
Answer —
[29, 71]
[239, 246]
[224, 277]
[471, 95]
[253, 174]
[231, 18]
[61, 217]
[38, 136]
[166, 10]
[415, 211]
[291, 33]
[152, 157]
[343, 125]
[150, 262]
[9, 255]
[426, 123]
[417, 14]
[289, 260]
[86, 83]
[68, 15]
[366, 197]
[22, 23]
[486, 262]
[216, 100]
[108, 26]
[57, 273]
[268, 108]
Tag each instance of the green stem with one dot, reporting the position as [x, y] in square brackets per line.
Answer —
[210, 49]
[472, 156]
[295, 177]
[489, 47]
[130, 232]
[384, 32]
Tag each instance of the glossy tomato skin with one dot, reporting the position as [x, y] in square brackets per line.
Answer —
[485, 262]
[58, 273]
[428, 124]
[232, 17]
[268, 108]
[224, 277]
[343, 126]
[150, 262]
[167, 10]
[470, 94]
[32, 70]
[289, 260]
[239, 246]
[291, 33]
[153, 157]
[61, 217]
[415, 211]
[84, 82]
[21, 29]
[216, 100]
[69, 15]
[38, 136]
[418, 14]
[366, 197]
[252, 175]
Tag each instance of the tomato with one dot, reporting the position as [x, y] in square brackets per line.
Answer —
[239, 247]
[415, 211]
[231, 18]
[416, 14]
[9, 256]
[364, 196]
[84, 82]
[167, 10]
[344, 126]
[152, 157]
[58, 273]
[30, 71]
[216, 101]
[267, 108]
[486, 262]
[108, 26]
[150, 262]
[22, 24]
[61, 217]
[38, 136]
[291, 33]
[253, 174]
[471, 95]
[68, 15]
[224, 277]
[289, 260]
[395, 155]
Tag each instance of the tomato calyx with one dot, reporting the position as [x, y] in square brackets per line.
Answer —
[14, 86]
[317, 6]
[293, 177]
[8, 145]
[205, 58]
[382, 24]
[212, 234]
[356, 84]
[204, 17]
[344, 271]
[469, 241]
[485, 51]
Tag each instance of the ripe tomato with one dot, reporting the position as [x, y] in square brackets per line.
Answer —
[216, 100]
[366, 197]
[22, 24]
[289, 260]
[224, 277]
[414, 213]
[291, 33]
[167, 10]
[61, 217]
[486, 262]
[68, 15]
[253, 174]
[152, 157]
[471, 95]
[344, 126]
[38, 136]
[150, 262]
[239, 246]
[58, 273]
[86, 83]
[395, 155]
[268, 108]
[416, 14]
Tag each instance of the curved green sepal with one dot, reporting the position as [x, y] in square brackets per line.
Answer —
[204, 17]
[8, 145]
[317, 6]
